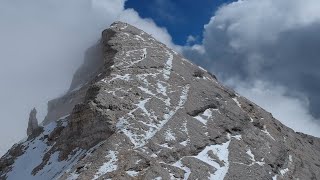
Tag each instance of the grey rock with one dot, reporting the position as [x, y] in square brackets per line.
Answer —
[33, 125]
[138, 110]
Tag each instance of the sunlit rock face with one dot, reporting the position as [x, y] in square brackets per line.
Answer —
[138, 110]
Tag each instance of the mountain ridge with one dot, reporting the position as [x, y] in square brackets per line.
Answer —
[138, 110]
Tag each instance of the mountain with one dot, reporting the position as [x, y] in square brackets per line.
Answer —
[138, 110]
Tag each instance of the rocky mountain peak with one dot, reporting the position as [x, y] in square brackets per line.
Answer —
[139, 110]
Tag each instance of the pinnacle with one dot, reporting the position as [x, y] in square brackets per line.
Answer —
[33, 122]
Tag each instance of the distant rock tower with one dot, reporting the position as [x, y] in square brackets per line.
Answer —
[33, 122]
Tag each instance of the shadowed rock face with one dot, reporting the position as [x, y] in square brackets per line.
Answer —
[138, 110]
[32, 123]
[98, 60]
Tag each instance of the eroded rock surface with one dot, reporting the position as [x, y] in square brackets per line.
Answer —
[33, 126]
[139, 110]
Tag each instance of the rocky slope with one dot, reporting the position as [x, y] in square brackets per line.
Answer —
[138, 110]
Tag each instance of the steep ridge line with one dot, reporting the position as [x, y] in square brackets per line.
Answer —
[145, 112]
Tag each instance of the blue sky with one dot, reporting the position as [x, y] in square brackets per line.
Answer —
[181, 17]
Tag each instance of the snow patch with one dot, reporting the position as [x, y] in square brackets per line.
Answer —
[132, 173]
[146, 91]
[108, 166]
[165, 145]
[56, 168]
[205, 116]
[251, 120]
[185, 143]
[169, 135]
[142, 106]
[139, 140]
[222, 152]
[33, 156]
[168, 66]
[161, 89]
[266, 132]
[187, 170]
[284, 171]
[238, 137]
[252, 158]
[137, 37]
[236, 101]
[73, 176]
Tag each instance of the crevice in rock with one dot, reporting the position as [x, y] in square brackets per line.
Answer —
[203, 109]
[198, 74]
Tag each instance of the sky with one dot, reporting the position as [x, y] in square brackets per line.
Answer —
[267, 50]
[182, 18]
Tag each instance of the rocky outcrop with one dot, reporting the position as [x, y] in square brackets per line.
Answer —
[97, 63]
[145, 112]
[33, 126]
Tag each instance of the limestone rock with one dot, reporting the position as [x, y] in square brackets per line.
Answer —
[33, 122]
[138, 110]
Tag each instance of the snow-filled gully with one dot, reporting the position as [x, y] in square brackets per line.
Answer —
[220, 150]
[152, 124]
[140, 138]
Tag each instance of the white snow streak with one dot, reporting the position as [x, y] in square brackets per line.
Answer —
[169, 136]
[274, 177]
[139, 140]
[221, 151]
[284, 171]
[185, 143]
[168, 67]
[108, 166]
[266, 132]
[132, 173]
[73, 176]
[290, 159]
[125, 77]
[142, 105]
[205, 116]
[236, 101]
[252, 158]
[187, 170]
[238, 137]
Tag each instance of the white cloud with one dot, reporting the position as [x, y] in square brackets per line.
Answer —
[269, 41]
[248, 22]
[291, 111]
[191, 39]
[42, 44]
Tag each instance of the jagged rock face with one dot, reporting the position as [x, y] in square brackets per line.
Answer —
[32, 123]
[148, 113]
[98, 60]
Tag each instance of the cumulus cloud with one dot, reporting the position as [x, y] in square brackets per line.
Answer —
[271, 41]
[42, 44]
[292, 111]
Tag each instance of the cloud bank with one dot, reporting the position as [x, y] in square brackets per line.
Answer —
[42, 44]
[271, 42]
